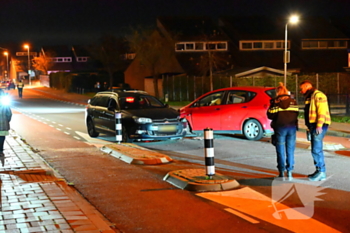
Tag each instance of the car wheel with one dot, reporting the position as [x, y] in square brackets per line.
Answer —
[252, 130]
[125, 136]
[91, 129]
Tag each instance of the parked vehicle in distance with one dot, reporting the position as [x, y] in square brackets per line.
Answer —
[233, 110]
[143, 117]
[7, 85]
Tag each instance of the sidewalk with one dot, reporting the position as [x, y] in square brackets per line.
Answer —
[36, 199]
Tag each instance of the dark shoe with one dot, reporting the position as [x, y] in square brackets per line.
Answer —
[280, 174]
[310, 175]
[290, 175]
[319, 176]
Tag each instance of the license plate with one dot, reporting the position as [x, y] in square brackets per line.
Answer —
[166, 128]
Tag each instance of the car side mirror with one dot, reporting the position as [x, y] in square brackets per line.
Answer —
[167, 105]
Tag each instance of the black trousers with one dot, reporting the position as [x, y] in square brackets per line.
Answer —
[20, 91]
[2, 142]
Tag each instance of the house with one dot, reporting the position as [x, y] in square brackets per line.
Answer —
[251, 45]
[194, 38]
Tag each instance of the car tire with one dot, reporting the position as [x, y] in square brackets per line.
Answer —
[91, 128]
[125, 136]
[252, 130]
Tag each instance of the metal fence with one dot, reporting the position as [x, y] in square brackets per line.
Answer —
[187, 88]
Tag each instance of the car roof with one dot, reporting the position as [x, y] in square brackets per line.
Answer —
[252, 88]
[124, 93]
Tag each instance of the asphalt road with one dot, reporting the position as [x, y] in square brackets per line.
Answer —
[137, 199]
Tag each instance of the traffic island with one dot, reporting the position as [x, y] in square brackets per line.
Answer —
[133, 154]
[197, 180]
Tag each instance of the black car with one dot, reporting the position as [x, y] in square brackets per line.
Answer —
[143, 117]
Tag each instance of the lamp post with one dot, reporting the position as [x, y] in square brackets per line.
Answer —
[286, 58]
[27, 47]
[7, 64]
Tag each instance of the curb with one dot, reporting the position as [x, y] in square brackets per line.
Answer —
[133, 154]
[330, 146]
[196, 180]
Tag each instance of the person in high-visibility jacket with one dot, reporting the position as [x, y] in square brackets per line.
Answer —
[317, 120]
[20, 86]
[283, 112]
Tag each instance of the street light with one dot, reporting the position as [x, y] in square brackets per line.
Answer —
[286, 58]
[27, 47]
[7, 63]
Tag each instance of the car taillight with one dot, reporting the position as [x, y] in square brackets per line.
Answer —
[266, 106]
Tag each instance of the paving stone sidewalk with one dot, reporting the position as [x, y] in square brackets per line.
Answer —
[34, 198]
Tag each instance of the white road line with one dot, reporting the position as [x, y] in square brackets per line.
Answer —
[245, 217]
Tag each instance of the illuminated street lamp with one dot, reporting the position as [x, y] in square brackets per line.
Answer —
[7, 63]
[286, 58]
[27, 47]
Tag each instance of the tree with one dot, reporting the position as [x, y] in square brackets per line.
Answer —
[152, 50]
[211, 62]
[44, 62]
[109, 50]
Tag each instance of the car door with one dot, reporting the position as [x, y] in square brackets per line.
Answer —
[109, 114]
[100, 111]
[206, 112]
[236, 109]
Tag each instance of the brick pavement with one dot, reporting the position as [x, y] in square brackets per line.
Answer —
[36, 199]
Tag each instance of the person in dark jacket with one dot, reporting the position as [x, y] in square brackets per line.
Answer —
[283, 112]
[5, 118]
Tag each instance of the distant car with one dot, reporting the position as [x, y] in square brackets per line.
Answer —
[7, 85]
[11, 85]
[234, 110]
[4, 84]
[143, 117]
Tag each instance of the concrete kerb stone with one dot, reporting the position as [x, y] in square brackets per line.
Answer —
[196, 180]
[326, 145]
[134, 154]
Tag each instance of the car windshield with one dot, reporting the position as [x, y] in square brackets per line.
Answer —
[139, 102]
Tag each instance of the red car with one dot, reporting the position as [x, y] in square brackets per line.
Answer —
[233, 110]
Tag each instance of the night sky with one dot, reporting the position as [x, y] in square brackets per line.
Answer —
[53, 22]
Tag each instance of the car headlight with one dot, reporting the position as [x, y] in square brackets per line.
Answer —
[5, 100]
[142, 120]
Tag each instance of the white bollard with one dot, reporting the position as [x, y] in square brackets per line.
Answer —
[118, 127]
[209, 151]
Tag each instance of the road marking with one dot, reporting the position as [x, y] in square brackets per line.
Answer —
[245, 217]
[92, 141]
[259, 206]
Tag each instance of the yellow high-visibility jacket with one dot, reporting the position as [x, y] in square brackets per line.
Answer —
[319, 110]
